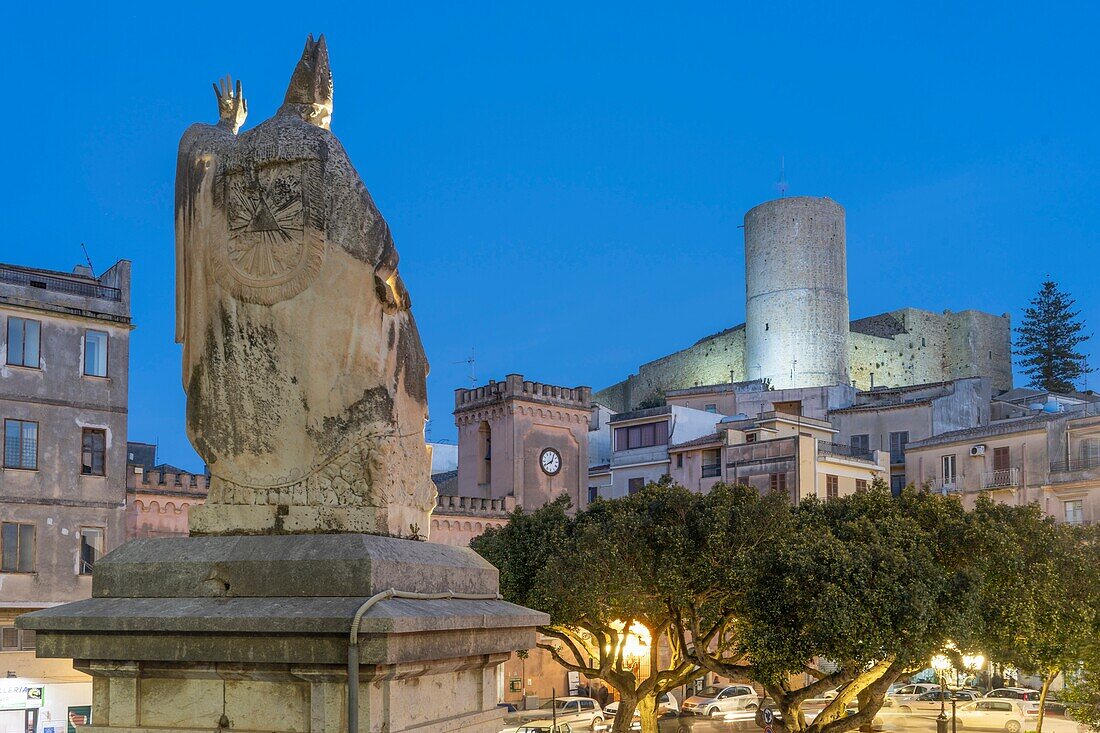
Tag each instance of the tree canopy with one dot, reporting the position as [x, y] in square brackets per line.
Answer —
[1047, 341]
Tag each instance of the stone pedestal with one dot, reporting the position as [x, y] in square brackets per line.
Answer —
[250, 633]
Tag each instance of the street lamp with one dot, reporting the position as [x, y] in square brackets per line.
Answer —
[941, 664]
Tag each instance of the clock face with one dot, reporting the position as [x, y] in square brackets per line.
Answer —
[550, 461]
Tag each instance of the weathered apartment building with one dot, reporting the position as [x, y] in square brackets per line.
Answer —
[64, 355]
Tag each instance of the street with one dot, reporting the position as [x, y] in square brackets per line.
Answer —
[891, 721]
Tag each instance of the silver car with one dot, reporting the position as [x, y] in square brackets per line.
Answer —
[716, 699]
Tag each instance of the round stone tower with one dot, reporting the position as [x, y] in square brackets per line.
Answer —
[796, 283]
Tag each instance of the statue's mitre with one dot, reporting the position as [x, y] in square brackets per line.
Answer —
[311, 82]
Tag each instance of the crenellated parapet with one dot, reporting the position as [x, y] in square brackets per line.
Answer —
[515, 386]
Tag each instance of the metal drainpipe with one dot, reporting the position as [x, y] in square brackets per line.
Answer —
[353, 637]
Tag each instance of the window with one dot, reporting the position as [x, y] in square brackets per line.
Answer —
[593, 492]
[1000, 459]
[897, 446]
[21, 444]
[779, 483]
[948, 462]
[750, 437]
[1075, 511]
[16, 548]
[861, 485]
[24, 337]
[634, 485]
[1090, 451]
[861, 443]
[91, 547]
[897, 483]
[95, 353]
[712, 463]
[832, 486]
[641, 436]
[679, 460]
[14, 640]
[93, 452]
[711, 407]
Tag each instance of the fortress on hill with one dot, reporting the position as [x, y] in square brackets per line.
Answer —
[797, 331]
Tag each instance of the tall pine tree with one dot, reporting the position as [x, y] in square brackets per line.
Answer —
[1047, 341]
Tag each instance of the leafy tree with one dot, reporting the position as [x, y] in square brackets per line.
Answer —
[1047, 341]
[874, 583]
[624, 562]
[1082, 691]
[1040, 597]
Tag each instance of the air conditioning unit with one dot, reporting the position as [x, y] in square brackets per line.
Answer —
[977, 450]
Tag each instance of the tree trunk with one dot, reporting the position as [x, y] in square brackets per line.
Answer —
[624, 716]
[648, 710]
[864, 698]
[1050, 675]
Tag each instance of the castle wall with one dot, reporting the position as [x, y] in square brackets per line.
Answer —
[708, 361]
[927, 347]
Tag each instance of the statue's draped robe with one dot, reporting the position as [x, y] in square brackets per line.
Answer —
[304, 370]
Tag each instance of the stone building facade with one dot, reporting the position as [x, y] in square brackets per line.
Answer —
[159, 500]
[64, 372]
[898, 348]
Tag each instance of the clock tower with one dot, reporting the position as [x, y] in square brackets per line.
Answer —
[523, 439]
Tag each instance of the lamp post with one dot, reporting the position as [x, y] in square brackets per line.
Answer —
[941, 664]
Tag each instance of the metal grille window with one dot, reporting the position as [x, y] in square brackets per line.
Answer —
[91, 547]
[832, 486]
[21, 444]
[93, 452]
[16, 547]
[24, 339]
[95, 353]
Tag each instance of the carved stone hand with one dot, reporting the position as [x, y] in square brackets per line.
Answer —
[232, 107]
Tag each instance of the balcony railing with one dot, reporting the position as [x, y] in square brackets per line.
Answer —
[1076, 464]
[846, 451]
[59, 284]
[712, 471]
[1003, 479]
[951, 486]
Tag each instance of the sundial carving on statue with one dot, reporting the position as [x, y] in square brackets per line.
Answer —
[273, 251]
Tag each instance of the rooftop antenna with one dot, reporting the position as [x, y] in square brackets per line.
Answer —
[781, 184]
[470, 361]
[88, 258]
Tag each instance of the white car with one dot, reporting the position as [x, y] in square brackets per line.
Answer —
[996, 714]
[577, 712]
[908, 693]
[544, 726]
[666, 704]
[715, 699]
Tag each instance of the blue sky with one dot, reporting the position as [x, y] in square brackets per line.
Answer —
[565, 180]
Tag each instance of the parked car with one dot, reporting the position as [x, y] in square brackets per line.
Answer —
[996, 714]
[1015, 693]
[578, 712]
[931, 700]
[666, 704]
[715, 699]
[905, 693]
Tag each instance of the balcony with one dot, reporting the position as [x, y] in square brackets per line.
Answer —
[1077, 464]
[844, 451]
[84, 289]
[1006, 478]
[950, 486]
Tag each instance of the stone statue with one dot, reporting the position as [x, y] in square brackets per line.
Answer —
[303, 366]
